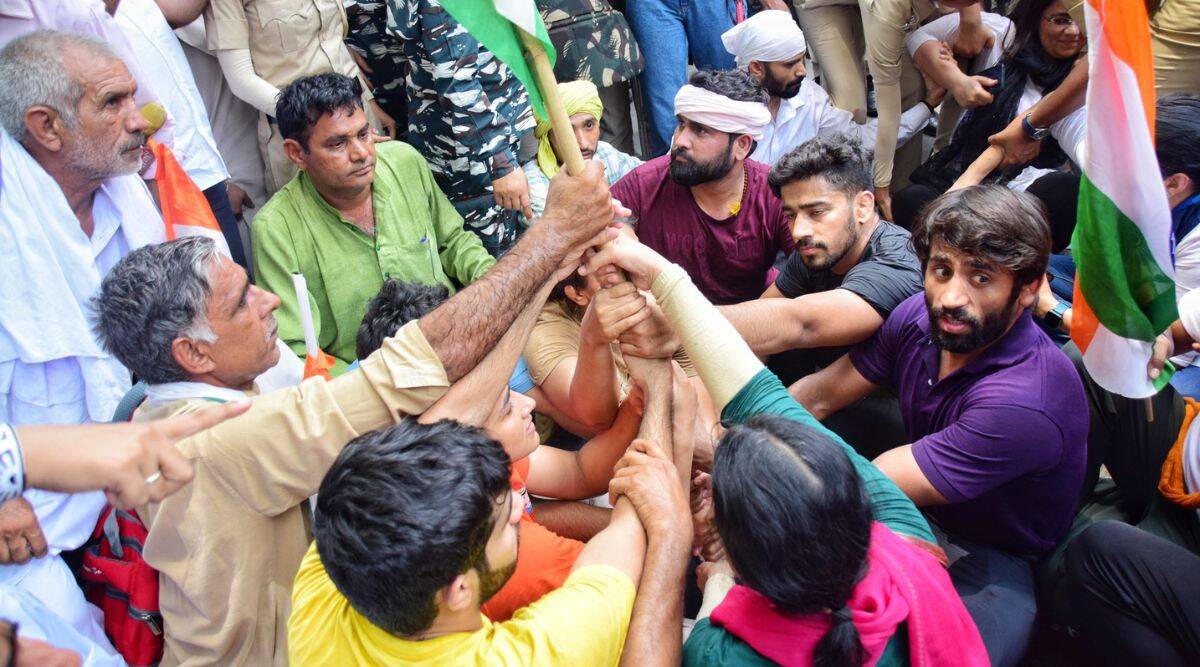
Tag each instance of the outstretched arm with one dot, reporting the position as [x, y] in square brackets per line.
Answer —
[464, 328]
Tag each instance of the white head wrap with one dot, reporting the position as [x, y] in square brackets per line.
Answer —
[770, 36]
[721, 113]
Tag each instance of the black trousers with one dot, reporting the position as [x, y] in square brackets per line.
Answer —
[1136, 595]
[1059, 193]
[218, 200]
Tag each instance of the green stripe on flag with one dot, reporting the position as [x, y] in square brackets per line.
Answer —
[1116, 270]
[499, 35]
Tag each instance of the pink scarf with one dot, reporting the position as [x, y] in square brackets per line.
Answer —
[903, 583]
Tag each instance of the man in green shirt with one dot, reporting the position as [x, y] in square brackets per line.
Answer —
[354, 216]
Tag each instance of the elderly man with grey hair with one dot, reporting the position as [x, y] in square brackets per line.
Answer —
[71, 206]
[187, 320]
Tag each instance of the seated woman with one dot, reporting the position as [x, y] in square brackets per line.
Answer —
[810, 575]
[1032, 55]
[575, 360]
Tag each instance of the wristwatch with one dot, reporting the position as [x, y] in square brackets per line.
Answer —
[1054, 317]
[1035, 133]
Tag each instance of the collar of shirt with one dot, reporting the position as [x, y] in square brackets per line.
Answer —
[1012, 348]
[380, 190]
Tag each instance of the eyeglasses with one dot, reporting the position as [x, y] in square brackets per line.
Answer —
[1059, 20]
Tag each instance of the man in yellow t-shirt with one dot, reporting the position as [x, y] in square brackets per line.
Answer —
[416, 526]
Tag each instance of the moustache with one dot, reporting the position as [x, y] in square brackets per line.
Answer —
[138, 141]
[958, 315]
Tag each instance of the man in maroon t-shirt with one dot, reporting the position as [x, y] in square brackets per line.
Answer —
[704, 205]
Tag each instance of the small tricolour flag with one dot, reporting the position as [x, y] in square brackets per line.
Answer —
[316, 361]
[185, 209]
[1124, 285]
[495, 24]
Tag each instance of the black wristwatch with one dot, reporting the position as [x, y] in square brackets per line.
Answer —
[1035, 133]
[1054, 317]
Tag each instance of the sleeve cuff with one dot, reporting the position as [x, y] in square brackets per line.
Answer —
[920, 451]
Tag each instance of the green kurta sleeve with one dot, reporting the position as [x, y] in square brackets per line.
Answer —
[462, 253]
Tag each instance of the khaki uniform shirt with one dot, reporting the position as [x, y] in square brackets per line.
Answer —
[227, 546]
[287, 39]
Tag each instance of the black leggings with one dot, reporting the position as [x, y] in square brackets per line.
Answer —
[1059, 192]
[1137, 595]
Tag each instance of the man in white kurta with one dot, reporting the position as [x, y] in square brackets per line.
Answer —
[71, 206]
[772, 48]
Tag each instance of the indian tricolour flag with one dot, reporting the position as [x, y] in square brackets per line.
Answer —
[495, 24]
[1124, 286]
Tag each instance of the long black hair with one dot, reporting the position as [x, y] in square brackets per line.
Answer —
[1024, 60]
[795, 523]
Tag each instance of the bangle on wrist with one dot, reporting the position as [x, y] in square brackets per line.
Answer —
[12, 464]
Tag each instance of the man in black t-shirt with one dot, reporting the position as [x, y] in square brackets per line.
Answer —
[849, 270]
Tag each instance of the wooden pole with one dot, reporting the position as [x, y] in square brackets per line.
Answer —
[560, 123]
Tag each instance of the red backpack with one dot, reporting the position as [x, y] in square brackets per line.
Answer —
[124, 586]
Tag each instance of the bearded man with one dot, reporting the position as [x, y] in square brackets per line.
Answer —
[994, 411]
[705, 206]
[771, 47]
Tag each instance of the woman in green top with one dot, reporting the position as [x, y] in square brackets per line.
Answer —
[793, 506]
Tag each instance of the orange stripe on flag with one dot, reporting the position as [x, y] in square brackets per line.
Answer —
[1083, 320]
[181, 200]
[1126, 27]
[318, 366]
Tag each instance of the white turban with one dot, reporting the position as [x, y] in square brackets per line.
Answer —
[770, 36]
[721, 113]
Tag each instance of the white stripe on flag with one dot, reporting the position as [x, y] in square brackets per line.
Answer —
[522, 13]
[1119, 364]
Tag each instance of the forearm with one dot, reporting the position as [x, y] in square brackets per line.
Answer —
[571, 518]
[654, 630]
[724, 361]
[1060, 102]
[760, 323]
[599, 455]
[657, 421]
[944, 72]
[244, 82]
[464, 328]
[595, 394]
[715, 589]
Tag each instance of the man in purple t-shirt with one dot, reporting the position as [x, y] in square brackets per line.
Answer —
[704, 205]
[994, 411]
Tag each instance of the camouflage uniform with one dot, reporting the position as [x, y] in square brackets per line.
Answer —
[368, 36]
[466, 114]
[594, 42]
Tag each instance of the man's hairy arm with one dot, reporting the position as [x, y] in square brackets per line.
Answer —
[832, 388]
[823, 319]
[464, 328]
[571, 518]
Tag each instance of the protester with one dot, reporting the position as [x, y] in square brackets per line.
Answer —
[671, 35]
[803, 596]
[262, 48]
[706, 206]
[206, 333]
[467, 113]
[445, 488]
[771, 47]
[586, 109]
[993, 410]
[593, 42]
[355, 215]
[151, 40]
[69, 154]
[1032, 55]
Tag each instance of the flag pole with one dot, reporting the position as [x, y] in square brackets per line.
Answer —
[560, 123]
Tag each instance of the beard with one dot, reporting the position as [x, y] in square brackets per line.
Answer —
[492, 581]
[993, 326]
[828, 258]
[689, 173]
[782, 90]
[98, 162]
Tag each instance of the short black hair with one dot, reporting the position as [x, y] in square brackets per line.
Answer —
[989, 222]
[396, 304]
[795, 522]
[838, 158]
[1177, 136]
[405, 510]
[303, 101]
[736, 84]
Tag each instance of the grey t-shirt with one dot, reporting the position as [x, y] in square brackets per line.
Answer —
[887, 274]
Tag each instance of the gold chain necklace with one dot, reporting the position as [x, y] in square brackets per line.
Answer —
[736, 207]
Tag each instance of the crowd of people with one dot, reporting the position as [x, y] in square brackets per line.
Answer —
[315, 351]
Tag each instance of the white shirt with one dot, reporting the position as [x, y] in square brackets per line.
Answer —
[811, 114]
[152, 41]
[1069, 132]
